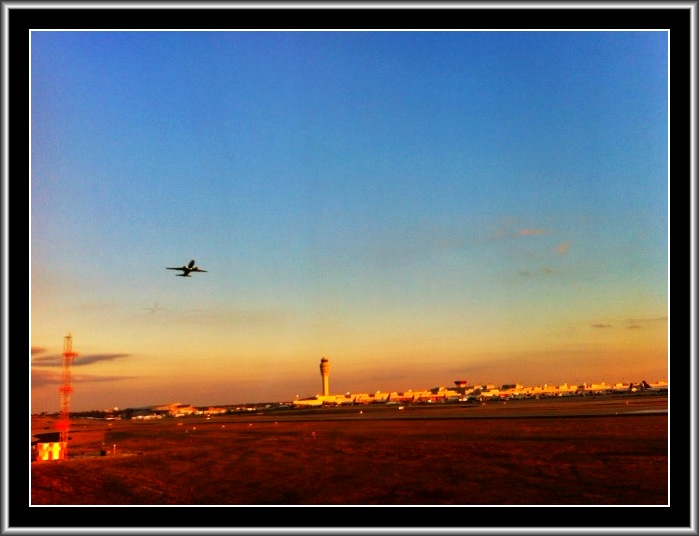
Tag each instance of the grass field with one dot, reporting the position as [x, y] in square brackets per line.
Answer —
[528, 452]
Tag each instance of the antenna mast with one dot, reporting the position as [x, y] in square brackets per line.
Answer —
[65, 390]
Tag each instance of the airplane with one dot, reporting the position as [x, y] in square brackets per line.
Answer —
[187, 269]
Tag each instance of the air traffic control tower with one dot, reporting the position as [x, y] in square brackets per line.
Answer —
[325, 374]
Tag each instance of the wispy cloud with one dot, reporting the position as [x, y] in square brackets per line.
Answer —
[506, 233]
[647, 320]
[563, 248]
[531, 232]
[57, 360]
[85, 378]
[43, 378]
[640, 323]
[153, 309]
[37, 350]
[601, 326]
[526, 273]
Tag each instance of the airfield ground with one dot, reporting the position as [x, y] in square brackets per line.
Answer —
[577, 451]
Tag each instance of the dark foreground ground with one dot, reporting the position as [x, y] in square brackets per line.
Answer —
[606, 451]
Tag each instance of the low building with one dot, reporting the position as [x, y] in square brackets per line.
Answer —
[54, 450]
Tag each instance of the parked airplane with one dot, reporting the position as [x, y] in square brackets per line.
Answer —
[643, 385]
[187, 269]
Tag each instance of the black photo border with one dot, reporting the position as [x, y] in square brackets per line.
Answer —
[18, 18]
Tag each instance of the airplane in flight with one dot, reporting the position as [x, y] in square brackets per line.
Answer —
[187, 269]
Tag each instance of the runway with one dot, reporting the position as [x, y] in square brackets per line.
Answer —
[576, 406]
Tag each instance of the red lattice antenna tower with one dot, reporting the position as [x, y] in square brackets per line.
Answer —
[65, 390]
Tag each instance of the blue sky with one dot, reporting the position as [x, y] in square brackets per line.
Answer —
[419, 207]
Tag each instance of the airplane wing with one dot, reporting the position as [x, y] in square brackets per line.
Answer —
[186, 269]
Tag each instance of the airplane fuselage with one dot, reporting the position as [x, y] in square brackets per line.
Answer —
[186, 269]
